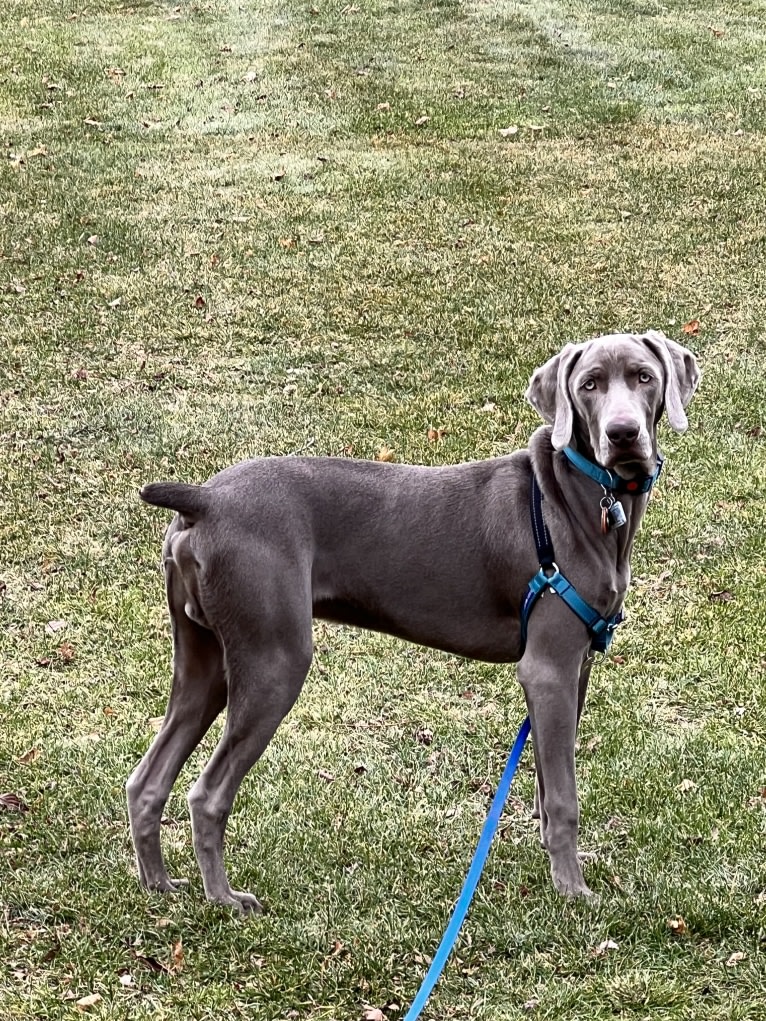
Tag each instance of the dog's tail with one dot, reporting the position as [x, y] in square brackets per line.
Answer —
[191, 501]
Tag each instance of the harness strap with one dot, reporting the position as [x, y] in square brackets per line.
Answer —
[601, 629]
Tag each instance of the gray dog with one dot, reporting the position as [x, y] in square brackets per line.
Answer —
[439, 556]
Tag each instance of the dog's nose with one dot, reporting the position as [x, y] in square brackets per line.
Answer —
[622, 432]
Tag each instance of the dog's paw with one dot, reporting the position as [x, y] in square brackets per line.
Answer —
[568, 880]
[242, 903]
[165, 884]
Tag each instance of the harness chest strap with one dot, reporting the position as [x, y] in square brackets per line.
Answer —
[601, 629]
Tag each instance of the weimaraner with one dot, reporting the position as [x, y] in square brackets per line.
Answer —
[441, 556]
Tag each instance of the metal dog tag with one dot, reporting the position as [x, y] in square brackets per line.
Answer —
[616, 515]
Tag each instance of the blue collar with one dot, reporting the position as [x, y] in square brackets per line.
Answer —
[609, 479]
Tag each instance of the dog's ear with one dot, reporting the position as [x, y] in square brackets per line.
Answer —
[548, 393]
[682, 374]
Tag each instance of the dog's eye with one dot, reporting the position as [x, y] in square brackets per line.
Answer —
[589, 384]
[644, 377]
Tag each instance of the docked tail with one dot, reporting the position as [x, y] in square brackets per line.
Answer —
[191, 501]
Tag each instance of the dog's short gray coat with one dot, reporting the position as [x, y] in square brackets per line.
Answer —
[439, 556]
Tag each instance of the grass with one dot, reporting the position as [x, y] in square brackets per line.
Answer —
[227, 230]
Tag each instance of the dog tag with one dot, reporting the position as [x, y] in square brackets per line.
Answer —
[616, 515]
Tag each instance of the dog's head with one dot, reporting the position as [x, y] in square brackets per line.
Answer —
[609, 394]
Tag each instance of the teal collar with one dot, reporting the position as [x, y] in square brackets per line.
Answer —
[609, 479]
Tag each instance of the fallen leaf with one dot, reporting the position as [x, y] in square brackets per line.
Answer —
[250, 76]
[93, 239]
[385, 453]
[326, 775]
[424, 735]
[126, 979]
[687, 785]
[677, 925]
[736, 958]
[29, 756]
[383, 107]
[115, 304]
[86, 1002]
[724, 596]
[155, 723]
[530, 1004]
[373, 1014]
[434, 435]
[177, 956]
[692, 327]
[92, 123]
[55, 625]
[13, 803]
[512, 129]
[199, 302]
[717, 32]
[605, 947]
[421, 121]
[489, 406]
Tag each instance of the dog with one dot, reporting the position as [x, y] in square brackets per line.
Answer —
[440, 556]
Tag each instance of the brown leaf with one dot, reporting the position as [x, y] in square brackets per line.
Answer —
[177, 956]
[385, 453]
[199, 302]
[717, 32]
[692, 328]
[435, 435]
[29, 756]
[724, 596]
[13, 803]
[677, 925]
[424, 735]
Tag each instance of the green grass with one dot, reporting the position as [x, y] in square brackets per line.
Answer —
[363, 276]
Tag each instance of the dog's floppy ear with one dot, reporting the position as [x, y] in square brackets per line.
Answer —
[548, 393]
[682, 375]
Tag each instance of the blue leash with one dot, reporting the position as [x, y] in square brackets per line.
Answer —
[472, 879]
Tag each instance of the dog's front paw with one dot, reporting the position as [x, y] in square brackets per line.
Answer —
[164, 884]
[242, 903]
[568, 880]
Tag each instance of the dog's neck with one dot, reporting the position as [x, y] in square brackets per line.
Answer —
[578, 499]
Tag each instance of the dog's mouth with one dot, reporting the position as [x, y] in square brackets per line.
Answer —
[629, 466]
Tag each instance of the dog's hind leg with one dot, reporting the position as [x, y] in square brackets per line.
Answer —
[197, 696]
[266, 664]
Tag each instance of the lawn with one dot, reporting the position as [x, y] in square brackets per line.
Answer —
[240, 227]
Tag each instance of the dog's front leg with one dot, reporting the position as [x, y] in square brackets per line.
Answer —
[554, 679]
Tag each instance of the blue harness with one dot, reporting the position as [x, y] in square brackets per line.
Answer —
[601, 629]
